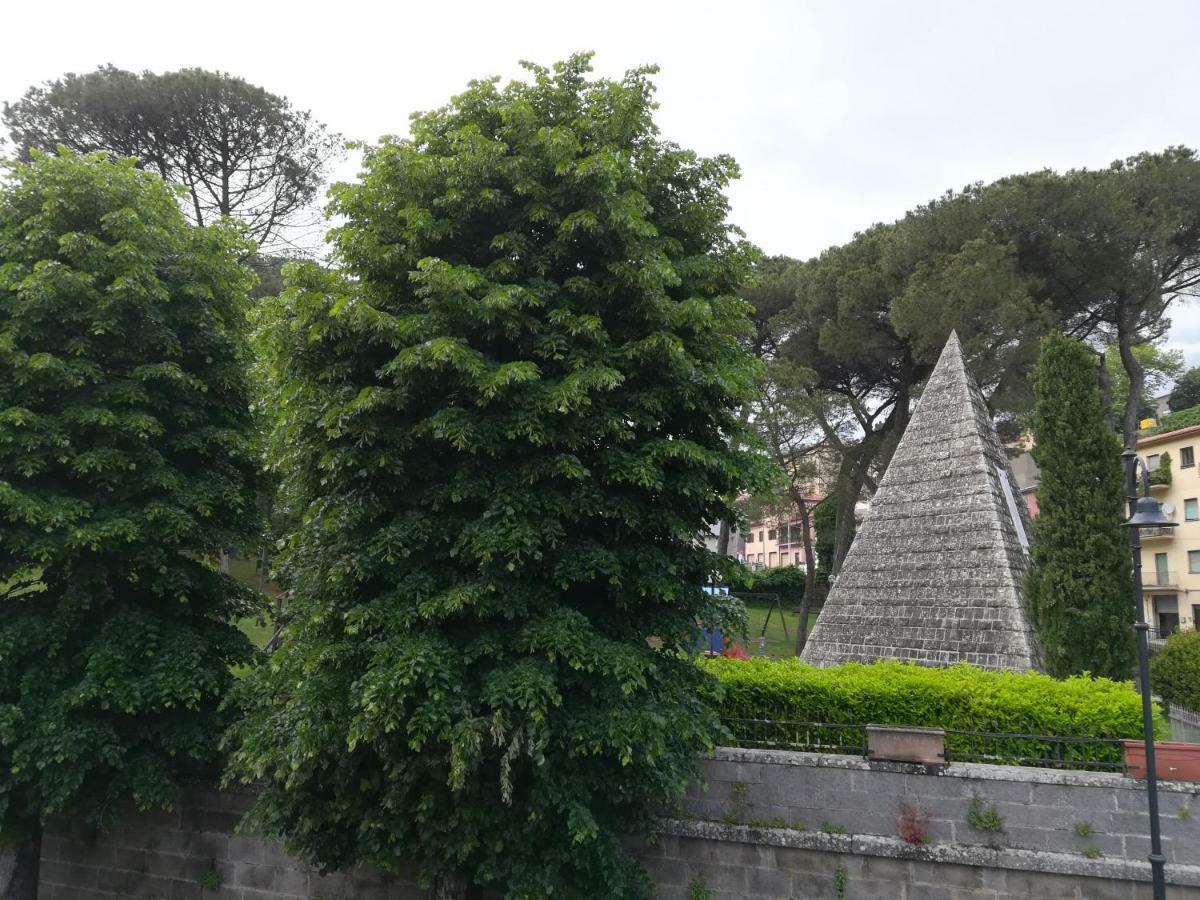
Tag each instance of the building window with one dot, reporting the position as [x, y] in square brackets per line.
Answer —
[771, 534]
[760, 559]
[1152, 461]
[772, 561]
[760, 540]
[749, 537]
[1187, 458]
[1191, 510]
[1194, 562]
[1162, 575]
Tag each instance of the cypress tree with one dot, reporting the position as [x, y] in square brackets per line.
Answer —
[508, 421]
[1079, 590]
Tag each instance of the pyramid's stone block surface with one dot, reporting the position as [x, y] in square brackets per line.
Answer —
[936, 573]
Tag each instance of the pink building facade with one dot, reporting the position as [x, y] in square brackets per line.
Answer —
[770, 543]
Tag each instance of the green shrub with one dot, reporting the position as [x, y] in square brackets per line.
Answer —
[1185, 418]
[1162, 472]
[786, 581]
[960, 698]
[1175, 670]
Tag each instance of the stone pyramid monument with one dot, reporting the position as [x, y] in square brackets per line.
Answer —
[935, 575]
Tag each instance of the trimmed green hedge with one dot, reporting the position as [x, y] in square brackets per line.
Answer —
[960, 698]
[1175, 670]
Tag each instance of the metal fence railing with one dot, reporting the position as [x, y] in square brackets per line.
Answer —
[812, 737]
[995, 748]
[1039, 750]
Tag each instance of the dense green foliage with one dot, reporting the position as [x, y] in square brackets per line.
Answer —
[1184, 418]
[1175, 670]
[1186, 392]
[506, 426]
[1079, 589]
[235, 149]
[1162, 472]
[786, 581]
[124, 472]
[825, 535]
[1159, 365]
[961, 698]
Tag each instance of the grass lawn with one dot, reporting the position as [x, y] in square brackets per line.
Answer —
[259, 631]
[777, 643]
[243, 570]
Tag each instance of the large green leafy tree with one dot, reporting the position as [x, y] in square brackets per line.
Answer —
[1079, 587]
[124, 470]
[1186, 392]
[508, 425]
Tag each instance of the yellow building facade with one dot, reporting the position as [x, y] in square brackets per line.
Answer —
[1171, 556]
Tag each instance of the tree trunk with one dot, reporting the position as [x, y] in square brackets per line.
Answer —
[1137, 380]
[723, 539]
[852, 476]
[810, 573]
[19, 865]
[456, 887]
[876, 447]
[848, 487]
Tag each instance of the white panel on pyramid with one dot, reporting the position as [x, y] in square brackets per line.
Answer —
[936, 573]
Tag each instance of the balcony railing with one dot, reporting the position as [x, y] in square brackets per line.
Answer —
[1151, 534]
[1159, 578]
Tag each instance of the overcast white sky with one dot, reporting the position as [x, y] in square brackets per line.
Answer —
[841, 114]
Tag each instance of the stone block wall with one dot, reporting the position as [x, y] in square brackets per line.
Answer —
[194, 853]
[769, 826]
[781, 825]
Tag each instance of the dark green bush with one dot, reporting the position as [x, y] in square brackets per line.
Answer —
[786, 581]
[960, 698]
[1175, 671]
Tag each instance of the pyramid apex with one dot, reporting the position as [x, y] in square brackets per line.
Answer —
[952, 348]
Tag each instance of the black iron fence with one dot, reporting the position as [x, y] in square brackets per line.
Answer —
[995, 748]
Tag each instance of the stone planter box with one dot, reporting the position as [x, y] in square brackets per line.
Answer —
[896, 743]
[1176, 761]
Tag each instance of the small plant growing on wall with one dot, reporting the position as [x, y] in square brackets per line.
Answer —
[839, 883]
[1092, 852]
[830, 828]
[698, 890]
[913, 824]
[983, 816]
[1083, 829]
[738, 791]
[210, 880]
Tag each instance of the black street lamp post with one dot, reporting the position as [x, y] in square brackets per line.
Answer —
[1145, 512]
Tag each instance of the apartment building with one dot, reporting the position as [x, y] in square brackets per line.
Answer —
[774, 541]
[1171, 556]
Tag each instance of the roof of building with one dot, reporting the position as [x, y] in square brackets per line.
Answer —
[1168, 436]
[936, 573]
